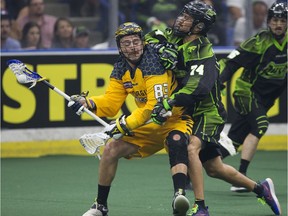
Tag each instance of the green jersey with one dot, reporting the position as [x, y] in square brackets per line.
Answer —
[265, 68]
[197, 71]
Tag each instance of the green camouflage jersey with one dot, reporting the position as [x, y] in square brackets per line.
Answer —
[264, 61]
[198, 74]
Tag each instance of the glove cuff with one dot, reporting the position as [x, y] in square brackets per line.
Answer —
[122, 126]
[119, 126]
[91, 105]
[168, 104]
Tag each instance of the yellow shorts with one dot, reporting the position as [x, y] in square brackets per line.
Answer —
[151, 137]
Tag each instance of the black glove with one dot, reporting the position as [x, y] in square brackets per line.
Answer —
[168, 54]
[162, 110]
[118, 129]
[78, 102]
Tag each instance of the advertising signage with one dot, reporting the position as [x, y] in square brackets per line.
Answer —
[72, 73]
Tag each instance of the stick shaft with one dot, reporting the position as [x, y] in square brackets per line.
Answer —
[67, 97]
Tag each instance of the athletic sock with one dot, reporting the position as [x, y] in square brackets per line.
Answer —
[200, 203]
[258, 189]
[179, 182]
[243, 166]
[103, 192]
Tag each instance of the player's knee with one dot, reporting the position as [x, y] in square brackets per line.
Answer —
[213, 168]
[113, 149]
[213, 173]
[194, 146]
[177, 143]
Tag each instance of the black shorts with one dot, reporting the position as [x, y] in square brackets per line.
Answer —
[255, 122]
[212, 150]
[207, 128]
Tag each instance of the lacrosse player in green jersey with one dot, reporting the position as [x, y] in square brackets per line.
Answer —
[264, 78]
[197, 71]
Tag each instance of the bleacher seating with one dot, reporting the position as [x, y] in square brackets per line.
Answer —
[57, 9]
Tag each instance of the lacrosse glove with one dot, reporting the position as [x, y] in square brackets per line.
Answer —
[160, 110]
[168, 54]
[78, 102]
[118, 129]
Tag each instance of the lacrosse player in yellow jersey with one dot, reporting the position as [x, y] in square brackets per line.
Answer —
[141, 71]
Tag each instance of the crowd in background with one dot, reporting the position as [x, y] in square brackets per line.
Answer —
[25, 25]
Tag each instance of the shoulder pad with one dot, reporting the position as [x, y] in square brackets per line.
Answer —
[258, 42]
[119, 69]
[150, 63]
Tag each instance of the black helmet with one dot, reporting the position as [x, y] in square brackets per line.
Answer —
[201, 13]
[278, 10]
[128, 28]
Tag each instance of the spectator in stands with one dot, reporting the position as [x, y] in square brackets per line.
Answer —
[63, 34]
[7, 43]
[163, 15]
[151, 14]
[14, 7]
[35, 12]
[2, 4]
[31, 36]
[237, 9]
[259, 13]
[15, 30]
[81, 37]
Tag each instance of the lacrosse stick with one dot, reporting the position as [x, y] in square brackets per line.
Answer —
[24, 75]
[90, 142]
[93, 142]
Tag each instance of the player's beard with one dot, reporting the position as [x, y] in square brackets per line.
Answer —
[279, 33]
[134, 56]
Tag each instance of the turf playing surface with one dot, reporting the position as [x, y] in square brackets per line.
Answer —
[67, 185]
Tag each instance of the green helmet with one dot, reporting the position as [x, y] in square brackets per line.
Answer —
[201, 13]
[128, 28]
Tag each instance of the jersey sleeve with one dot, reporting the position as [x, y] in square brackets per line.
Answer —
[109, 104]
[247, 56]
[155, 36]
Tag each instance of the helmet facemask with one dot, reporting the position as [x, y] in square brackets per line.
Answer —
[131, 47]
[129, 41]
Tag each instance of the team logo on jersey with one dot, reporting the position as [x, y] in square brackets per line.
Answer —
[140, 96]
[191, 49]
[274, 71]
[141, 100]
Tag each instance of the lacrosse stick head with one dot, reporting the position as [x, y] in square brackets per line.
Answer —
[22, 73]
[93, 142]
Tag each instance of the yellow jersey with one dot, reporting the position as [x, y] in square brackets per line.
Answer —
[146, 83]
